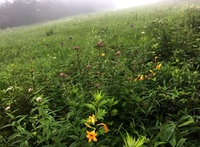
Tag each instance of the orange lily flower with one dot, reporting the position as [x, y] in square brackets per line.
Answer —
[92, 119]
[156, 58]
[158, 66]
[141, 78]
[88, 125]
[91, 135]
[105, 126]
[136, 78]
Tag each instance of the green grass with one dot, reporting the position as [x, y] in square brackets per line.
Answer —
[163, 110]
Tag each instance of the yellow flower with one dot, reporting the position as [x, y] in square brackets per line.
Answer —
[141, 78]
[91, 135]
[103, 54]
[158, 66]
[105, 126]
[92, 119]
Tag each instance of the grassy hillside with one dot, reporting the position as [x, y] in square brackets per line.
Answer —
[136, 70]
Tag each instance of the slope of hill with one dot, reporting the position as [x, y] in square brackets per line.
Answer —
[136, 70]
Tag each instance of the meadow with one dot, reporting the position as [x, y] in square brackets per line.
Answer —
[122, 78]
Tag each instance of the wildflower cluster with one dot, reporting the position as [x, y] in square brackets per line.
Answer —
[146, 76]
[92, 135]
[100, 44]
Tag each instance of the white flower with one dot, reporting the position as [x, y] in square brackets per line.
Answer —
[7, 108]
[54, 57]
[30, 90]
[38, 99]
[9, 88]
[142, 32]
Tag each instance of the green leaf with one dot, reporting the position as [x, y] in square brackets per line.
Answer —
[12, 116]
[159, 143]
[180, 142]
[90, 106]
[173, 140]
[103, 102]
[114, 112]
[166, 133]
[188, 121]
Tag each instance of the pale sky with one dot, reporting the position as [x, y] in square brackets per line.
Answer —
[130, 3]
[124, 3]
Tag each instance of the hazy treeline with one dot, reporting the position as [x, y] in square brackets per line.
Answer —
[23, 12]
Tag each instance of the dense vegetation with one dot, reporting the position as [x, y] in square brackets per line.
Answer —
[136, 70]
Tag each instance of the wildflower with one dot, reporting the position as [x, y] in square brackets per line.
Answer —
[76, 48]
[9, 88]
[156, 58]
[92, 119]
[145, 27]
[142, 33]
[47, 44]
[105, 126]
[38, 99]
[118, 53]
[98, 73]
[136, 78]
[91, 135]
[97, 85]
[158, 66]
[7, 108]
[129, 78]
[88, 66]
[132, 26]
[103, 54]
[30, 90]
[146, 77]
[117, 56]
[141, 78]
[88, 125]
[61, 44]
[54, 57]
[70, 38]
[100, 44]
[154, 74]
[62, 74]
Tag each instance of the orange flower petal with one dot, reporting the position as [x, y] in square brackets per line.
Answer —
[105, 126]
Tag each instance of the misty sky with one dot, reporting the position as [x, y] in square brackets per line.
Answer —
[125, 3]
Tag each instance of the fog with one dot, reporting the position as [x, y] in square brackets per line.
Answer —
[23, 12]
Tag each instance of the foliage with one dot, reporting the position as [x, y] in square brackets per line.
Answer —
[136, 77]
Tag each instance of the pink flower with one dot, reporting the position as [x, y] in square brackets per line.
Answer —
[98, 73]
[132, 26]
[97, 85]
[88, 66]
[100, 44]
[118, 53]
[62, 74]
[76, 47]
[38, 99]
[129, 78]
